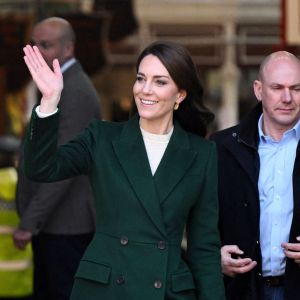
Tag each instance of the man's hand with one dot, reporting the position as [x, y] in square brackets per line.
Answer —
[21, 238]
[292, 250]
[233, 263]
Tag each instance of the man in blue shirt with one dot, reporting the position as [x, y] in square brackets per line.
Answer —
[259, 189]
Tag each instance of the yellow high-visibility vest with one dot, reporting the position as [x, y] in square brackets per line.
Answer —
[15, 265]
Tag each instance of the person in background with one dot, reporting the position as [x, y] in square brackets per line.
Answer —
[259, 191]
[59, 217]
[151, 176]
[15, 265]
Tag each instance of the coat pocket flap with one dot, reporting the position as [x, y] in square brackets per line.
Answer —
[182, 281]
[93, 271]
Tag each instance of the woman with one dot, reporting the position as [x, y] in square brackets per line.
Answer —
[151, 176]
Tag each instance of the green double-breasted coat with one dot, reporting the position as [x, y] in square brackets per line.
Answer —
[136, 251]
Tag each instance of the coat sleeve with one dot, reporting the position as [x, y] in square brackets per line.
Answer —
[203, 248]
[44, 161]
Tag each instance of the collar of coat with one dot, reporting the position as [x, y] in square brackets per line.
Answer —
[242, 142]
[247, 129]
[152, 191]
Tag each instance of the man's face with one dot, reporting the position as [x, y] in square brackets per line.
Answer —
[48, 38]
[279, 91]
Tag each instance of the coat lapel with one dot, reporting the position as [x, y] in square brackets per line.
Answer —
[176, 161]
[131, 153]
[296, 192]
[250, 164]
[246, 135]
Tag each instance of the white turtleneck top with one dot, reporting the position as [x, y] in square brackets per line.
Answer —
[156, 145]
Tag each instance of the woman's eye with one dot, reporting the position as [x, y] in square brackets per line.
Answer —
[139, 78]
[160, 82]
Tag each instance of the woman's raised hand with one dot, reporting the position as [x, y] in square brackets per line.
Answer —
[49, 82]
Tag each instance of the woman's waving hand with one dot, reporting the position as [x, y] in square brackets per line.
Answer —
[49, 82]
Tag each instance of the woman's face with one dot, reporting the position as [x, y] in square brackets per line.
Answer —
[155, 94]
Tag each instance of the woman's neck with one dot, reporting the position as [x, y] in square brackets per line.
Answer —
[156, 127]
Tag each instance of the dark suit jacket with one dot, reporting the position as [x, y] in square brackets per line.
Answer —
[239, 206]
[136, 253]
[53, 207]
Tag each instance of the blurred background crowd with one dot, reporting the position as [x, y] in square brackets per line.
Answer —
[227, 39]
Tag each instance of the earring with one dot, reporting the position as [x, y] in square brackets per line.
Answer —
[176, 105]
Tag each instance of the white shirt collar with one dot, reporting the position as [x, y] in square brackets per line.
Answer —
[67, 64]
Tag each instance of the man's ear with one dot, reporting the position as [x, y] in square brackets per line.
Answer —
[257, 86]
[69, 49]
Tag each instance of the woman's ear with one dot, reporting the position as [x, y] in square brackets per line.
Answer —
[181, 96]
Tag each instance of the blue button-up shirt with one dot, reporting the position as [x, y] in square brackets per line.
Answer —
[275, 187]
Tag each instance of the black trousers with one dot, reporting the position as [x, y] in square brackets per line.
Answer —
[56, 258]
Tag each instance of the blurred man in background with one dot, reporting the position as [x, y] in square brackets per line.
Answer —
[58, 218]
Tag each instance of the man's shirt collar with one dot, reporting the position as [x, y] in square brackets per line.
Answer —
[68, 64]
[263, 137]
